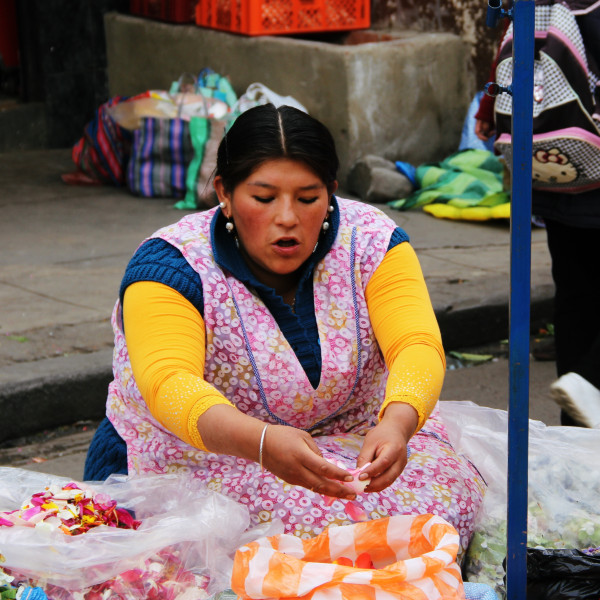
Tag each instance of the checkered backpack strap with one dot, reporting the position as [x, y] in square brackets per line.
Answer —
[566, 125]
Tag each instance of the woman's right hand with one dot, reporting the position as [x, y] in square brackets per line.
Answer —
[292, 455]
[289, 453]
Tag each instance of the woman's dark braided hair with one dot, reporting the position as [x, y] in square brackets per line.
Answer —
[265, 133]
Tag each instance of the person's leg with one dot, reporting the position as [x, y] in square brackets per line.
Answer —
[589, 366]
[576, 274]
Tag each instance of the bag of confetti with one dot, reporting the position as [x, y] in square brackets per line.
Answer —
[405, 557]
[157, 536]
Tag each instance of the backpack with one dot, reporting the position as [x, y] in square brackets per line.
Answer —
[566, 124]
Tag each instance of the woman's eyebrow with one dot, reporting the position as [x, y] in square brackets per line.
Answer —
[314, 186]
[264, 184]
[261, 184]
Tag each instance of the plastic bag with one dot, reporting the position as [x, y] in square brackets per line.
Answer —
[209, 95]
[206, 135]
[184, 526]
[403, 557]
[468, 138]
[479, 591]
[158, 104]
[564, 486]
[562, 574]
[258, 93]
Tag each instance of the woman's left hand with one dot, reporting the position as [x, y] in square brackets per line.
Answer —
[385, 446]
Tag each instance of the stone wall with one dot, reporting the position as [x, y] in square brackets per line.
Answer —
[465, 18]
[402, 95]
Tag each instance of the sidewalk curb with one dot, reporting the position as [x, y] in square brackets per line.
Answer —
[62, 391]
[487, 323]
[73, 388]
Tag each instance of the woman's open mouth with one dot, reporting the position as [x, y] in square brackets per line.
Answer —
[286, 246]
[286, 243]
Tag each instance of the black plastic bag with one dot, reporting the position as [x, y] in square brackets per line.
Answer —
[562, 574]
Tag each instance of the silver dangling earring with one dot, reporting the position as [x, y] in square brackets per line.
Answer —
[325, 225]
[231, 229]
[229, 225]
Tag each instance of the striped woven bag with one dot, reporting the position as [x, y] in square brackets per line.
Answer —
[403, 557]
[160, 154]
[102, 151]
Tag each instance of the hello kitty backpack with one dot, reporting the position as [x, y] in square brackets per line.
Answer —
[566, 123]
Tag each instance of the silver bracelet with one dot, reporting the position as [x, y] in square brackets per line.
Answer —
[260, 448]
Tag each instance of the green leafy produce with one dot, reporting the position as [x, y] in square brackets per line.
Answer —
[563, 512]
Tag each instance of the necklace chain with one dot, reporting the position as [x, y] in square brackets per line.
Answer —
[290, 301]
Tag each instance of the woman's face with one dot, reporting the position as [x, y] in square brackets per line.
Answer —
[278, 212]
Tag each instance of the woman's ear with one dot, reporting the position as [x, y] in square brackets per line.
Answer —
[332, 188]
[222, 195]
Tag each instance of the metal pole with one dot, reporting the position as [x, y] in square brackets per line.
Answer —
[520, 297]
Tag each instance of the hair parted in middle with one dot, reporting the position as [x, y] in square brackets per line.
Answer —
[266, 133]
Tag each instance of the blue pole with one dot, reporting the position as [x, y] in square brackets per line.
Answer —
[520, 296]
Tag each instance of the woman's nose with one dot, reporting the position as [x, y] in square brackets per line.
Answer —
[286, 213]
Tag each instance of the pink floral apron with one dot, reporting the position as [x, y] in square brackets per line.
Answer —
[249, 360]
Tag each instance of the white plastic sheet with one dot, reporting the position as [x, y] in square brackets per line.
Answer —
[204, 528]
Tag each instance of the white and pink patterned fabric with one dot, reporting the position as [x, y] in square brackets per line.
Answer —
[249, 360]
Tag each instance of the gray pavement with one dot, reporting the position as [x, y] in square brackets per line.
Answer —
[63, 250]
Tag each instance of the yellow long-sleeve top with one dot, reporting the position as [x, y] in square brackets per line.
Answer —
[165, 337]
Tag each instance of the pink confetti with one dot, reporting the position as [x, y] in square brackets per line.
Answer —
[359, 485]
[31, 512]
[70, 509]
[355, 511]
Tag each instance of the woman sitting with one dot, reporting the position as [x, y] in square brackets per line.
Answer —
[280, 340]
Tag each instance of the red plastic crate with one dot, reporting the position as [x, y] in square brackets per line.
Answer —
[172, 11]
[270, 17]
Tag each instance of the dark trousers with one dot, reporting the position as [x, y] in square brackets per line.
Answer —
[575, 253]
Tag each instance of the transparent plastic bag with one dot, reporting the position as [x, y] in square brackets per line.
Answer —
[186, 528]
[564, 486]
[257, 94]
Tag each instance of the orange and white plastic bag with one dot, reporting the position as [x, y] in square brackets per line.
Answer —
[411, 558]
